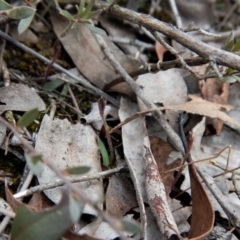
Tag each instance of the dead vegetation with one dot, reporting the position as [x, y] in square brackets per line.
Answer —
[125, 118]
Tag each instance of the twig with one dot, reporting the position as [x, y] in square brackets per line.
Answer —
[47, 186]
[8, 213]
[82, 81]
[222, 200]
[222, 36]
[154, 5]
[131, 42]
[202, 49]
[53, 108]
[74, 99]
[191, 28]
[177, 55]
[228, 15]
[215, 68]
[176, 13]
[204, 160]
[158, 115]
[195, 61]
[78, 193]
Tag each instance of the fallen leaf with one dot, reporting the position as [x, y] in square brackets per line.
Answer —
[160, 50]
[204, 108]
[233, 99]
[18, 97]
[87, 55]
[120, 196]
[119, 29]
[68, 145]
[181, 214]
[132, 135]
[74, 236]
[39, 202]
[13, 202]
[217, 92]
[105, 230]
[161, 151]
[28, 35]
[214, 164]
[202, 210]
[160, 88]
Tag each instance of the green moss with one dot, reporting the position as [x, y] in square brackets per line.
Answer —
[28, 64]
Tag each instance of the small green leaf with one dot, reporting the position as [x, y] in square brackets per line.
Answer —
[94, 14]
[64, 91]
[35, 163]
[4, 5]
[52, 85]
[24, 24]
[67, 29]
[74, 209]
[49, 224]
[95, 29]
[230, 71]
[229, 79]
[74, 25]
[81, 7]
[237, 78]
[78, 33]
[66, 14]
[229, 43]
[77, 170]
[87, 9]
[131, 227]
[28, 118]
[104, 153]
[21, 12]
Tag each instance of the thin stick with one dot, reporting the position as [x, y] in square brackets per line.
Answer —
[177, 55]
[202, 49]
[203, 160]
[8, 213]
[74, 99]
[47, 186]
[78, 193]
[81, 80]
[158, 115]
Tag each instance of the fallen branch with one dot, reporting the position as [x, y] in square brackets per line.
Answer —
[81, 80]
[158, 115]
[202, 49]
